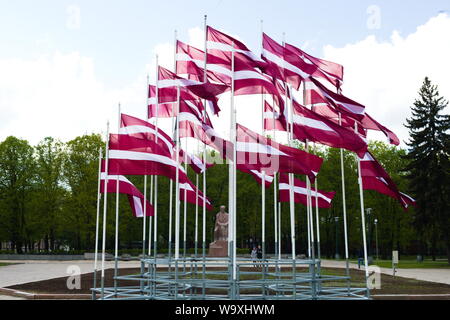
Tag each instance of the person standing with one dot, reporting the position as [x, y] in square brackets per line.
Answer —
[259, 255]
[254, 255]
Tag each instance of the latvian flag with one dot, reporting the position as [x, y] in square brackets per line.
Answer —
[324, 199]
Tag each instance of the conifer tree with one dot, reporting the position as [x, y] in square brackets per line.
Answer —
[429, 169]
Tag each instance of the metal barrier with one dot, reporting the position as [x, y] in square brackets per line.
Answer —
[210, 279]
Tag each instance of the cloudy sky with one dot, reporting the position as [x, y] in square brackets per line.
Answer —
[65, 65]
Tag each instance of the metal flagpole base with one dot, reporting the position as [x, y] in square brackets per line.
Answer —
[208, 278]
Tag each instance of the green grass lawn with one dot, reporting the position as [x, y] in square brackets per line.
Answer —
[413, 264]
[3, 264]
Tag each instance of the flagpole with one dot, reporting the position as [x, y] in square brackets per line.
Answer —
[279, 231]
[185, 203]
[363, 219]
[275, 200]
[155, 231]
[105, 206]
[310, 219]
[263, 215]
[205, 77]
[291, 175]
[196, 214]
[234, 181]
[230, 170]
[177, 180]
[116, 247]
[233, 172]
[150, 220]
[99, 196]
[344, 207]
[171, 181]
[319, 256]
[263, 185]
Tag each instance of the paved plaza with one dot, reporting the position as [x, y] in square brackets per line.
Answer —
[31, 271]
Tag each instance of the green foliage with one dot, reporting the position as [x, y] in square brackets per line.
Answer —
[49, 194]
[17, 178]
[428, 169]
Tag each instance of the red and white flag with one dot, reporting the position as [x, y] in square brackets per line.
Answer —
[194, 162]
[374, 177]
[330, 71]
[258, 176]
[162, 110]
[133, 156]
[274, 120]
[311, 126]
[135, 197]
[366, 123]
[258, 153]
[191, 62]
[284, 64]
[247, 79]
[142, 129]
[301, 193]
[317, 95]
[263, 154]
[191, 195]
[190, 90]
[222, 45]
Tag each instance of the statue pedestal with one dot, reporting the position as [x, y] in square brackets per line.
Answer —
[218, 249]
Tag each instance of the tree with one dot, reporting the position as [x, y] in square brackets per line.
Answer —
[429, 169]
[81, 177]
[17, 169]
[49, 193]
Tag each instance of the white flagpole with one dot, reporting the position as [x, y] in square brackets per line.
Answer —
[291, 176]
[279, 231]
[185, 203]
[309, 219]
[196, 214]
[233, 176]
[177, 181]
[363, 219]
[317, 215]
[275, 200]
[97, 220]
[344, 207]
[155, 232]
[263, 214]
[205, 77]
[171, 182]
[309, 211]
[116, 247]
[144, 222]
[263, 185]
[105, 207]
[150, 220]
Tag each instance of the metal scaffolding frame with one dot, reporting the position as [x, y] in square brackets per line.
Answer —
[200, 278]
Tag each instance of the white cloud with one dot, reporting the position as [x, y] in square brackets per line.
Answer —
[386, 76]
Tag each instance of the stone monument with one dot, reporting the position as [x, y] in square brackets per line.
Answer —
[219, 248]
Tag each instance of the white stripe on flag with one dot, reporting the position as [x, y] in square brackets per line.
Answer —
[142, 156]
[284, 64]
[304, 191]
[138, 207]
[312, 123]
[258, 148]
[129, 130]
